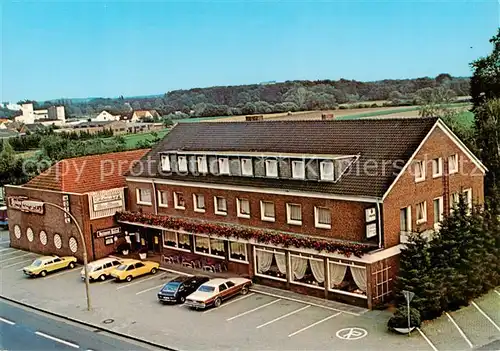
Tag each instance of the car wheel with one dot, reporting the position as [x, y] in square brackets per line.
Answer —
[43, 273]
[244, 290]
[182, 299]
[129, 278]
[153, 270]
[102, 277]
[217, 302]
[71, 265]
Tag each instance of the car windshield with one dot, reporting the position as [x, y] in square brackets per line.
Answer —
[206, 288]
[37, 263]
[171, 286]
[122, 267]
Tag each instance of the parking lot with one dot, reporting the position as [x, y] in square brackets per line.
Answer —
[253, 321]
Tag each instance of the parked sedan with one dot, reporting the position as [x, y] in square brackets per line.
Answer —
[179, 288]
[131, 269]
[47, 264]
[213, 292]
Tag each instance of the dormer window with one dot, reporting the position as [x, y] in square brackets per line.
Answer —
[223, 165]
[165, 163]
[298, 170]
[201, 161]
[272, 168]
[182, 163]
[246, 167]
[326, 170]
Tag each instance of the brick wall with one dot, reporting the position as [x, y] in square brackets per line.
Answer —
[407, 192]
[348, 217]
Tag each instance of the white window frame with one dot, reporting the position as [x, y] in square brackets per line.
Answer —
[176, 201]
[160, 203]
[306, 257]
[467, 193]
[317, 224]
[326, 176]
[234, 259]
[454, 169]
[260, 248]
[454, 199]
[327, 274]
[419, 164]
[409, 224]
[216, 206]
[209, 254]
[238, 208]
[288, 219]
[268, 168]
[439, 171]
[246, 170]
[182, 161]
[201, 162]
[195, 203]
[263, 217]
[223, 163]
[138, 197]
[424, 212]
[165, 163]
[295, 173]
[176, 241]
[437, 221]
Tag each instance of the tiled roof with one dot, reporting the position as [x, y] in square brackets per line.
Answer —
[378, 141]
[88, 173]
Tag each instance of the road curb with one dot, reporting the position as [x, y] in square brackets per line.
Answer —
[87, 324]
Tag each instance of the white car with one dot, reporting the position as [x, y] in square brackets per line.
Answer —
[213, 292]
[101, 269]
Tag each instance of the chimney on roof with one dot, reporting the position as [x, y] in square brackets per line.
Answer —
[327, 116]
[254, 118]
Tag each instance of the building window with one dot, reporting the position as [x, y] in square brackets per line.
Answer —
[453, 164]
[182, 163]
[454, 199]
[307, 271]
[437, 167]
[267, 211]
[246, 167]
[422, 212]
[209, 246]
[238, 251]
[438, 211]
[272, 168]
[270, 263]
[405, 219]
[326, 170]
[179, 202]
[419, 171]
[162, 198]
[220, 205]
[347, 278]
[243, 208]
[143, 196]
[223, 165]
[175, 240]
[322, 217]
[298, 170]
[165, 163]
[201, 161]
[468, 198]
[199, 202]
[294, 214]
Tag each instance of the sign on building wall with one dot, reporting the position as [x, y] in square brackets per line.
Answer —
[65, 200]
[22, 203]
[108, 232]
[371, 222]
[106, 203]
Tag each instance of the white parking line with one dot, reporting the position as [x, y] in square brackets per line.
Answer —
[153, 288]
[175, 272]
[253, 310]
[8, 248]
[427, 339]
[139, 281]
[13, 258]
[10, 253]
[498, 293]
[314, 324]
[486, 316]
[15, 264]
[460, 330]
[284, 316]
[6, 321]
[228, 303]
[50, 337]
[4, 241]
[61, 273]
[107, 281]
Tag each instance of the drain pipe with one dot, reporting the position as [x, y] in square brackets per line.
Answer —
[155, 200]
[379, 224]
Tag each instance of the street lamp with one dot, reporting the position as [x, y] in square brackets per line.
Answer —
[84, 246]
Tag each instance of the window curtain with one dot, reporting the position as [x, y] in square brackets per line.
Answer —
[359, 276]
[281, 262]
[299, 266]
[216, 244]
[237, 248]
[183, 239]
[318, 270]
[337, 273]
[324, 216]
[200, 201]
[264, 260]
[269, 209]
[202, 242]
[295, 212]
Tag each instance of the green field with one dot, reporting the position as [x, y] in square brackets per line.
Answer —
[131, 140]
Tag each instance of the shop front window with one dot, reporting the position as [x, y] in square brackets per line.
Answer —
[176, 240]
[169, 239]
[238, 251]
[307, 271]
[209, 246]
[270, 263]
[184, 242]
[346, 278]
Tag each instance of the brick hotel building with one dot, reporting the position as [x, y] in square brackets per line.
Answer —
[318, 207]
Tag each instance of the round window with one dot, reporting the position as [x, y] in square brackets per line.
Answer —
[43, 238]
[73, 244]
[29, 234]
[17, 231]
[57, 241]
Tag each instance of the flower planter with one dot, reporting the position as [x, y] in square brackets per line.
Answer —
[143, 256]
[404, 330]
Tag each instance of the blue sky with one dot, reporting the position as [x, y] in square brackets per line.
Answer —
[80, 49]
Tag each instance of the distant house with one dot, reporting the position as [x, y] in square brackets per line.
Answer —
[144, 114]
[53, 115]
[106, 116]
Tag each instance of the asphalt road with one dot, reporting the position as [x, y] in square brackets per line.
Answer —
[23, 329]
